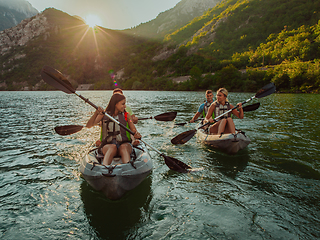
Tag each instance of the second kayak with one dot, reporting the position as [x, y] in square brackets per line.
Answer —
[230, 143]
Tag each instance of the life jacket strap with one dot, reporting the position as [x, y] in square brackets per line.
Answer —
[113, 133]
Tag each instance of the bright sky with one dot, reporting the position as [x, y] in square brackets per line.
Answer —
[113, 14]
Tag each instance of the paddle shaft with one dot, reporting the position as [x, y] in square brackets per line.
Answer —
[144, 118]
[182, 124]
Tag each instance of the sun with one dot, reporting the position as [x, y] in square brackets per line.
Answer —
[93, 20]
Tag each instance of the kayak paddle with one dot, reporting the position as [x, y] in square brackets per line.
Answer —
[251, 107]
[57, 80]
[248, 108]
[186, 136]
[68, 129]
[71, 129]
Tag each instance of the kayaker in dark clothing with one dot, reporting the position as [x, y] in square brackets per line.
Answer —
[116, 140]
[225, 124]
[203, 109]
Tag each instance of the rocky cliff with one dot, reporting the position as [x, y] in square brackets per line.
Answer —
[22, 33]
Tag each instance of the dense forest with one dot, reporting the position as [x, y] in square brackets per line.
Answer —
[272, 40]
[240, 45]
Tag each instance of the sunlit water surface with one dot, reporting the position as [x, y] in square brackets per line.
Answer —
[270, 190]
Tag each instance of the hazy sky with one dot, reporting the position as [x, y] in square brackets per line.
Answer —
[114, 14]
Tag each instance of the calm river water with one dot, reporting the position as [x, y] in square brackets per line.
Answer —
[270, 190]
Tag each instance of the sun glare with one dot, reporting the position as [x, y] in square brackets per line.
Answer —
[93, 20]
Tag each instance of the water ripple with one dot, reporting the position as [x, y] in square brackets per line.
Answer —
[267, 191]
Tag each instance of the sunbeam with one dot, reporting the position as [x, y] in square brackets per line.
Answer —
[82, 38]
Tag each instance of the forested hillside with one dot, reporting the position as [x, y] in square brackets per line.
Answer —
[277, 35]
[244, 43]
[84, 54]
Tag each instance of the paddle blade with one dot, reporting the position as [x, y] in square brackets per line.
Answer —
[251, 107]
[68, 129]
[176, 165]
[56, 79]
[266, 90]
[184, 137]
[169, 116]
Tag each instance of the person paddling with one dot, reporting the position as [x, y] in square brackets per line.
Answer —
[225, 123]
[116, 140]
[128, 109]
[203, 109]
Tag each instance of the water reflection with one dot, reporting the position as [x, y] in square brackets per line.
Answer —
[116, 219]
[270, 190]
[229, 165]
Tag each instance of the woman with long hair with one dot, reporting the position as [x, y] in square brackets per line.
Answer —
[115, 139]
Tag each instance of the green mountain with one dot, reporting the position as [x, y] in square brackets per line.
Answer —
[240, 35]
[173, 19]
[267, 40]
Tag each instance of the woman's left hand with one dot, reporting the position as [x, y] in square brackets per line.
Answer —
[239, 105]
[137, 135]
[135, 142]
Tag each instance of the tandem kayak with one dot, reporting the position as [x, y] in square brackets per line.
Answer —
[230, 143]
[117, 178]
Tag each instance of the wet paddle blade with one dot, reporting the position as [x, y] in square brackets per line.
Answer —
[176, 165]
[266, 90]
[251, 107]
[169, 116]
[68, 129]
[56, 79]
[184, 137]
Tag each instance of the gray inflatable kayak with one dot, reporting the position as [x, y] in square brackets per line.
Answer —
[230, 143]
[117, 178]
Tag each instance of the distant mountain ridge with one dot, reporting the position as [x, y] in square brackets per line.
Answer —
[12, 12]
[174, 18]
